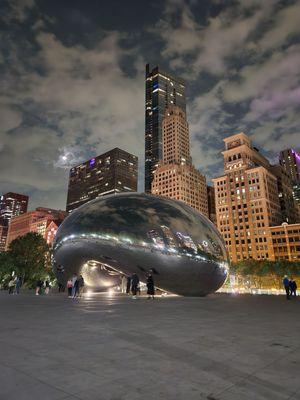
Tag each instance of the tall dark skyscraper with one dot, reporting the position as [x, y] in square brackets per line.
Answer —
[11, 205]
[112, 172]
[162, 90]
[290, 161]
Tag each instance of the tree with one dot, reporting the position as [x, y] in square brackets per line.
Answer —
[6, 268]
[30, 257]
[264, 272]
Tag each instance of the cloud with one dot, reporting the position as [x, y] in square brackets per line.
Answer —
[69, 98]
[65, 98]
[194, 47]
[17, 10]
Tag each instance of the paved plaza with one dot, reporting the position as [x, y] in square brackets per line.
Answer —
[221, 347]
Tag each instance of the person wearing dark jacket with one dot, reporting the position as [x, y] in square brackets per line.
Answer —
[18, 284]
[134, 285]
[80, 286]
[286, 284]
[128, 285]
[293, 287]
[76, 288]
[150, 286]
[39, 286]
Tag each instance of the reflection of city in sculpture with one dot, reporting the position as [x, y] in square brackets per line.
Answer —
[133, 232]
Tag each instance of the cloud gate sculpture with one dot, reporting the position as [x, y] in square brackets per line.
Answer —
[134, 233]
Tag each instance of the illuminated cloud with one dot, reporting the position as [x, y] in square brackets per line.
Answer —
[72, 82]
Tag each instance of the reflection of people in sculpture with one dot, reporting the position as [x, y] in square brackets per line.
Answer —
[150, 286]
[128, 286]
[80, 286]
[123, 284]
[134, 285]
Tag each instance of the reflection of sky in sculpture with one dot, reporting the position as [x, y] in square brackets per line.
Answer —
[139, 222]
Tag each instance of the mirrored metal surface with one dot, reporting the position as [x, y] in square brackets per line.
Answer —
[136, 232]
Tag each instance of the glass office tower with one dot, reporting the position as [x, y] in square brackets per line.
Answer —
[162, 90]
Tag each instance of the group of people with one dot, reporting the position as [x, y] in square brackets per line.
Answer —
[14, 285]
[290, 287]
[133, 285]
[75, 286]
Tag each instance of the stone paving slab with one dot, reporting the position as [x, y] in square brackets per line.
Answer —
[110, 347]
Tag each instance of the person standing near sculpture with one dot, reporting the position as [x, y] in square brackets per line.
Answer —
[150, 286]
[74, 285]
[128, 286]
[39, 286]
[286, 284]
[11, 285]
[18, 284]
[47, 287]
[134, 285]
[293, 287]
[123, 284]
[69, 287]
[80, 286]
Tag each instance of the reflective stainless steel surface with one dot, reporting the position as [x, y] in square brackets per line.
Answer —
[135, 232]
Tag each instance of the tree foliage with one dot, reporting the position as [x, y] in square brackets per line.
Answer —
[28, 256]
[260, 272]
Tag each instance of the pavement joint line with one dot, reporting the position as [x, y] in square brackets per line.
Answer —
[293, 395]
[254, 373]
[36, 379]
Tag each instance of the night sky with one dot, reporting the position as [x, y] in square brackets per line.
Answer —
[72, 81]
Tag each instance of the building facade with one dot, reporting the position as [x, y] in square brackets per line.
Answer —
[285, 242]
[211, 202]
[290, 161]
[247, 201]
[290, 210]
[44, 221]
[11, 205]
[162, 90]
[176, 177]
[112, 172]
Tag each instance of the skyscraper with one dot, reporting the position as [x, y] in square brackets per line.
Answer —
[290, 161]
[162, 90]
[176, 177]
[112, 172]
[247, 201]
[290, 211]
[11, 205]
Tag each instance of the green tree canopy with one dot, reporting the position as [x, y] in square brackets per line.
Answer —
[30, 256]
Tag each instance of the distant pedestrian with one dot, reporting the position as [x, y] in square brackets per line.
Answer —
[80, 286]
[134, 285]
[76, 288]
[11, 285]
[69, 287]
[74, 285]
[293, 287]
[47, 287]
[18, 284]
[286, 284]
[39, 286]
[150, 286]
[61, 287]
[123, 284]
[128, 286]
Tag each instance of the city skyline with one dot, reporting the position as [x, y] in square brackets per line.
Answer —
[73, 83]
